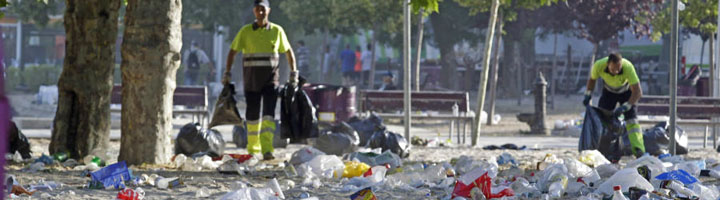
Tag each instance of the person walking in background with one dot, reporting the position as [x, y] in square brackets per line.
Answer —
[347, 58]
[328, 58]
[260, 75]
[366, 65]
[194, 58]
[358, 65]
[302, 54]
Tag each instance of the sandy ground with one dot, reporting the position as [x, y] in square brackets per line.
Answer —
[508, 131]
[221, 183]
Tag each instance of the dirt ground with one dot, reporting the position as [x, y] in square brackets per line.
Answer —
[219, 184]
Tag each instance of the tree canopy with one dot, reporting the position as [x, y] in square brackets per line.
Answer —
[699, 17]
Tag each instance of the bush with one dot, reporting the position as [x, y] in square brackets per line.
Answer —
[32, 77]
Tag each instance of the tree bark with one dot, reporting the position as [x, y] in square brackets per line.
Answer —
[712, 65]
[702, 52]
[150, 59]
[477, 124]
[82, 120]
[419, 49]
[494, 72]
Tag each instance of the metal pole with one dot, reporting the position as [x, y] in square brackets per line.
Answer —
[716, 82]
[18, 44]
[406, 65]
[673, 74]
[485, 72]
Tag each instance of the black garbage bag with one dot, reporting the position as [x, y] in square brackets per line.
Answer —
[394, 142]
[193, 139]
[603, 132]
[226, 112]
[338, 140]
[298, 117]
[240, 137]
[18, 142]
[657, 141]
[691, 77]
[367, 127]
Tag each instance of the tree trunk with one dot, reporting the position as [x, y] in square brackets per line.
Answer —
[323, 50]
[477, 124]
[494, 73]
[599, 83]
[702, 52]
[82, 120]
[566, 74]
[150, 59]
[553, 73]
[419, 49]
[712, 65]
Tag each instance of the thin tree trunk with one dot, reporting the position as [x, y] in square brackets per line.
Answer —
[494, 72]
[712, 65]
[553, 74]
[82, 120]
[371, 82]
[566, 74]
[151, 57]
[419, 49]
[323, 50]
[483, 79]
[702, 52]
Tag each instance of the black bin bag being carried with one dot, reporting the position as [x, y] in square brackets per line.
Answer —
[18, 142]
[193, 139]
[603, 132]
[226, 112]
[298, 120]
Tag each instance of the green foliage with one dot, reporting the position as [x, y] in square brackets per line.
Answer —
[3, 4]
[602, 19]
[699, 17]
[37, 11]
[508, 8]
[33, 76]
[428, 6]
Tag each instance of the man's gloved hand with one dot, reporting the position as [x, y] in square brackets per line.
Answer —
[226, 78]
[588, 97]
[622, 109]
[293, 79]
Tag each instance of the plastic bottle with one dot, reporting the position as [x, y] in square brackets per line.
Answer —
[678, 188]
[556, 189]
[168, 183]
[617, 193]
[290, 170]
[275, 186]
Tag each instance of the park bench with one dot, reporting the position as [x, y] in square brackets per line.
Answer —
[692, 111]
[425, 105]
[193, 100]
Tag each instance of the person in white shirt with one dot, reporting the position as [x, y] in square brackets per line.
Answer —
[194, 58]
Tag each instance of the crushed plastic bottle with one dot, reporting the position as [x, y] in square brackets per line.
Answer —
[325, 166]
[677, 187]
[275, 186]
[705, 192]
[290, 170]
[203, 192]
[168, 183]
[523, 188]
[576, 168]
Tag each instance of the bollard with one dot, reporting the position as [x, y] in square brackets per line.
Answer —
[540, 106]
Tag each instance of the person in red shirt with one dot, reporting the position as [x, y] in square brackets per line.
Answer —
[358, 64]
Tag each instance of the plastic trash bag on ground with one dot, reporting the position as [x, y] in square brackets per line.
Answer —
[374, 159]
[367, 127]
[354, 169]
[18, 142]
[240, 137]
[325, 166]
[339, 140]
[390, 141]
[226, 112]
[705, 192]
[576, 168]
[626, 178]
[304, 155]
[657, 141]
[193, 139]
[593, 158]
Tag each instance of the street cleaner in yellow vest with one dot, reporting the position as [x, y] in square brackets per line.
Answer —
[261, 44]
[621, 86]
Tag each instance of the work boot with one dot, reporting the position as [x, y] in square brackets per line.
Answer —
[268, 156]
